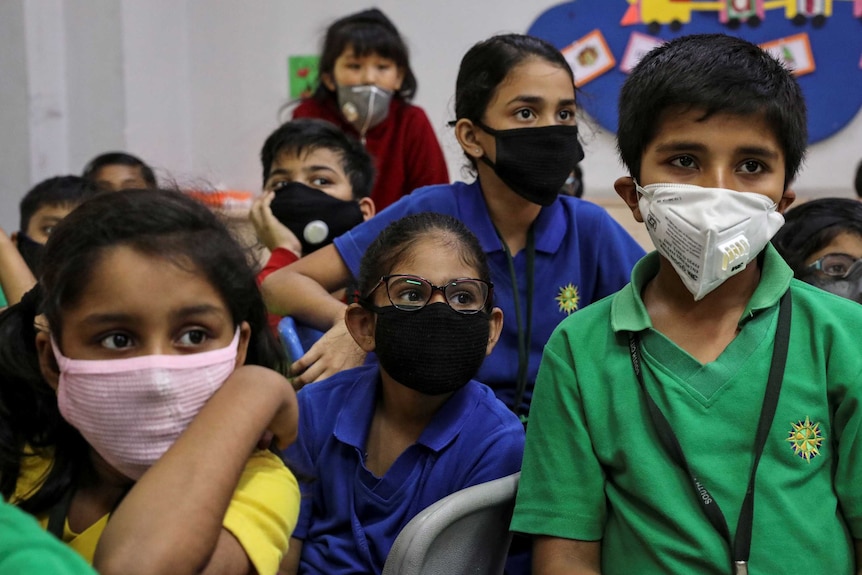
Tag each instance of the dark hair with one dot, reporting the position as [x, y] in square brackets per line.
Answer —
[720, 74]
[123, 159]
[160, 223]
[57, 191]
[396, 241]
[366, 32]
[811, 226]
[857, 183]
[311, 134]
[485, 66]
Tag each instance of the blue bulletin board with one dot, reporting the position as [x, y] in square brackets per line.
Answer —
[821, 40]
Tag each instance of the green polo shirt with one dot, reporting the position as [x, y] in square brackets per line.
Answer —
[595, 469]
[25, 548]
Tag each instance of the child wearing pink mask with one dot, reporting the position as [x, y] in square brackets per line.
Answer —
[129, 421]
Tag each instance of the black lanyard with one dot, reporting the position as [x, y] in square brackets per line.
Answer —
[741, 543]
[524, 327]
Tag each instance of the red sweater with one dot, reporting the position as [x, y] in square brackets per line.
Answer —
[405, 150]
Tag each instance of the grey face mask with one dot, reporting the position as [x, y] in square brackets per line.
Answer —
[364, 106]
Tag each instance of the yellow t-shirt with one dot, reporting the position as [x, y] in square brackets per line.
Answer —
[261, 514]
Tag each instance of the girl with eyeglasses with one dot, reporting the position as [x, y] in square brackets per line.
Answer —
[388, 439]
[821, 241]
[549, 255]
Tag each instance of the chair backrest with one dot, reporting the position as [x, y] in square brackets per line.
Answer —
[297, 338]
[465, 532]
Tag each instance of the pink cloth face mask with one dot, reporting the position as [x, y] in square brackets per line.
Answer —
[132, 410]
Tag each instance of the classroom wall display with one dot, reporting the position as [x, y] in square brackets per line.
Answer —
[302, 76]
[820, 40]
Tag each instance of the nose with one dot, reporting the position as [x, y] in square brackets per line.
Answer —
[717, 178]
[369, 74]
[437, 294]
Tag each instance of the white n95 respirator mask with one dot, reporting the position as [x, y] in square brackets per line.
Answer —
[707, 234]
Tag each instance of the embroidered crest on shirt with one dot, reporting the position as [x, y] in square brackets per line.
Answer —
[805, 438]
[568, 298]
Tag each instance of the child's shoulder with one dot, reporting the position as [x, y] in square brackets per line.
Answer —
[494, 413]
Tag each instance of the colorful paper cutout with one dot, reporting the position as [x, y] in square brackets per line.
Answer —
[794, 52]
[302, 75]
[639, 44]
[589, 57]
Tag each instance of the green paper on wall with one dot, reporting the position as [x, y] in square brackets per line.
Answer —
[302, 75]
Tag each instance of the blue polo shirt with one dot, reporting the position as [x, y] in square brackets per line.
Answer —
[349, 518]
[582, 255]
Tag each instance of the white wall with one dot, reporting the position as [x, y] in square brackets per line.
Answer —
[194, 86]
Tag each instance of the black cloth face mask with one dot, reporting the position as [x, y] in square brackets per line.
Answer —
[31, 251]
[315, 217]
[434, 350]
[535, 162]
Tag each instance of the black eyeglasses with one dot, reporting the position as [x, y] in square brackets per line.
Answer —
[836, 265]
[412, 293]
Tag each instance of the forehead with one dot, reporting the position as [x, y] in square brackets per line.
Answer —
[436, 256]
[293, 162]
[124, 279]
[119, 173]
[718, 130]
[535, 77]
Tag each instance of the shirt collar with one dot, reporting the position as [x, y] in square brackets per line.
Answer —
[551, 226]
[628, 312]
[354, 419]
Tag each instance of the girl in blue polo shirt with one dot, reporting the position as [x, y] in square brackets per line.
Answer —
[383, 441]
[549, 255]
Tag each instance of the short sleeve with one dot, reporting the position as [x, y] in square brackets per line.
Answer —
[561, 491]
[263, 511]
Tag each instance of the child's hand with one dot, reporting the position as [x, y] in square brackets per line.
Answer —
[334, 352]
[271, 232]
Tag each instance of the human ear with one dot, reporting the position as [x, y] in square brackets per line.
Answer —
[496, 326]
[47, 362]
[360, 323]
[242, 348]
[367, 207]
[787, 198]
[327, 80]
[465, 133]
[626, 189]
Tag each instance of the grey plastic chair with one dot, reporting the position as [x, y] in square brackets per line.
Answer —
[465, 532]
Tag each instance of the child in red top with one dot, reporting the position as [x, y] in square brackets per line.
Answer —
[366, 85]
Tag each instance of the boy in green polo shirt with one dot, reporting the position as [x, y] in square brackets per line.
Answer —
[659, 408]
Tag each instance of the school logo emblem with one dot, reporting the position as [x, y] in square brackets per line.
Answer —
[568, 298]
[805, 438]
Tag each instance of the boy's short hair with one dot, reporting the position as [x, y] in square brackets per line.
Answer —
[720, 74]
[57, 191]
[310, 134]
[121, 159]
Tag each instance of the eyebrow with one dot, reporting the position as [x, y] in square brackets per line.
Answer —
[97, 319]
[539, 100]
[683, 146]
[320, 168]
